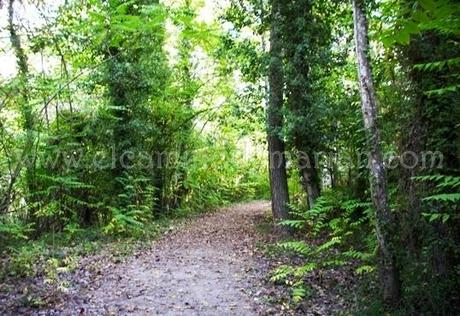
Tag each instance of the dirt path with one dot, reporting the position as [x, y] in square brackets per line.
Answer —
[208, 267]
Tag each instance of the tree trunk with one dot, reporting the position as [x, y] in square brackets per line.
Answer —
[310, 179]
[425, 131]
[27, 156]
[412, 141]
[277, 158]
[312, 187]
[388, 269]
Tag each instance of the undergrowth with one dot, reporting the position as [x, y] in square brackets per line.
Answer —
[334, 233]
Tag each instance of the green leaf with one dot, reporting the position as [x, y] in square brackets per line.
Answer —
[402, 37]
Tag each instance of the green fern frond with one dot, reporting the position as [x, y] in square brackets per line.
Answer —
[281, 273]
[297, 224]
[295, 246]
[446, 197]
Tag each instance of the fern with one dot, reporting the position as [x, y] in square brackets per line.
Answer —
[365, 269]
[281, 273]
[299, 292]
[334, 241]
[14, 231]
[432, 217]
[123, 221]
[305, 269]
[296, 224]
[441, 181]
[445, 201]
[295, 246]
[438, 65]
[359, 255]
[445, 197]
[342, 220]
[137, 205]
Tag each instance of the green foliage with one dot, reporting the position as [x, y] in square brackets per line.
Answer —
[344, 226]
[137, 80]
[122, 221]
[211, 179]
[14, 231]
[297, 247]
[110, 98]
[440, 15]
[444, 203]
[289, 276]
[24, 260]
[332, 212]
[137, 211]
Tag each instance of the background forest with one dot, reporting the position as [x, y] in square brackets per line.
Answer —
[117, 115]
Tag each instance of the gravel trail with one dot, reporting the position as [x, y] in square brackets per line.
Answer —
[208, 267]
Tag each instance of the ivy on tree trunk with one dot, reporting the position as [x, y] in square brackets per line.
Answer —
[388, 269]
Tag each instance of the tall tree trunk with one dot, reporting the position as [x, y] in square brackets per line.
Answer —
[300, 50]
[412, 140]
[27, 157]
[277, 158]
[388, 269]
[424, 131]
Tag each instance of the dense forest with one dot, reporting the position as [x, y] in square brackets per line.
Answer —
[120, 118]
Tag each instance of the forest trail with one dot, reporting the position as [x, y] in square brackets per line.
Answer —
[208, 267]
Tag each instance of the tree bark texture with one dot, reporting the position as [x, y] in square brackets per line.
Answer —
[27, 157]
[388, 270]
[277, 158]
[310, 177]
